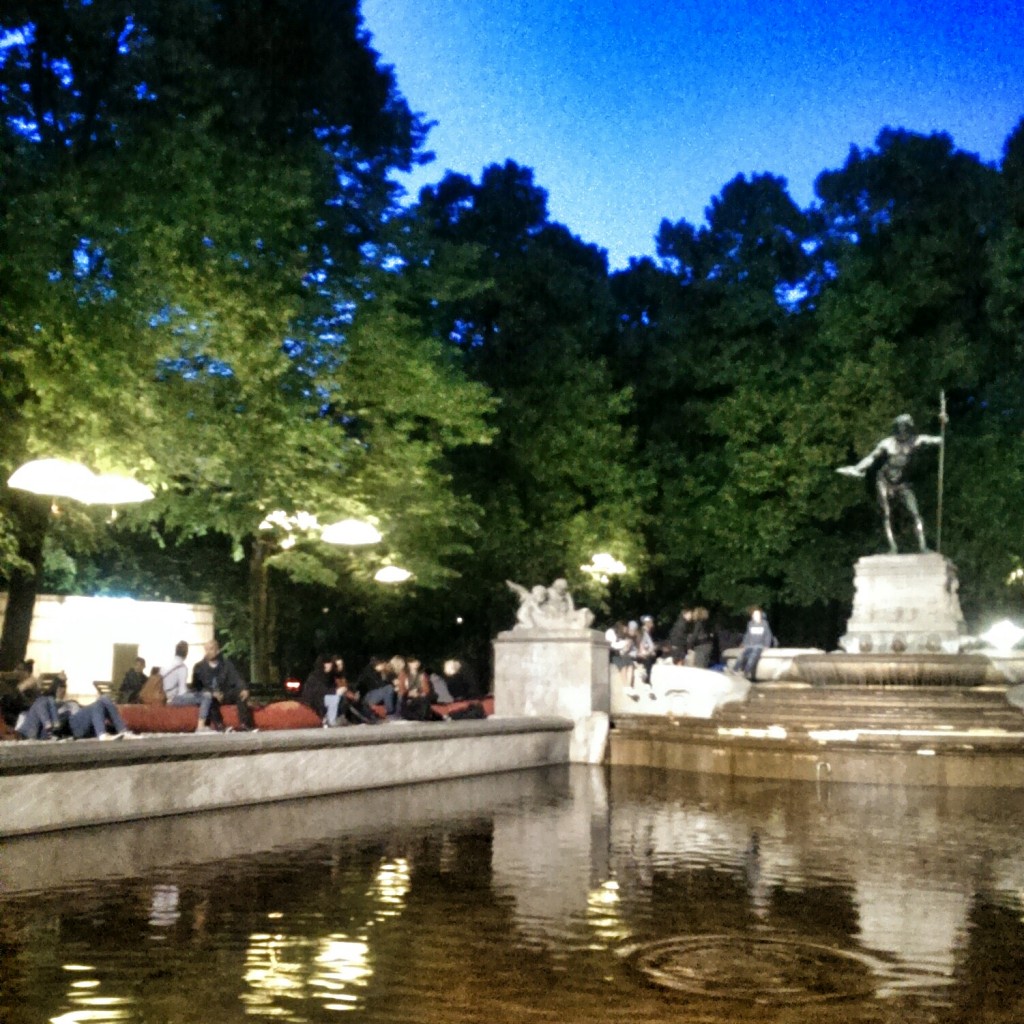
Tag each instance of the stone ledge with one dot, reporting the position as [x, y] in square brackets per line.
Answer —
[50, 786]
[26, 757]
[913, 735]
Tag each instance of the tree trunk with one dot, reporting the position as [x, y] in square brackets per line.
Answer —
[260, 613]
[273, 676]
[32, 516]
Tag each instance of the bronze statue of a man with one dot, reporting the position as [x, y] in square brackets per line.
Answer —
[893, 455]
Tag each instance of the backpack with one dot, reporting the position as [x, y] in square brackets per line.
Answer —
[152, 691]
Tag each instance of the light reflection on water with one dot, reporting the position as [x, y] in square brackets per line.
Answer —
[556, 895]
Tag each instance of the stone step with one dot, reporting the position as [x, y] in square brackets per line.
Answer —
[814, 736]
[882, 718]
[960, 709]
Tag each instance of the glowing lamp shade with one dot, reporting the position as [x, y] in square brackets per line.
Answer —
[56, 478]
[351, 532]
[603, 565]
[603, 562]
[392, 574]
[115, 489]
[59, 478]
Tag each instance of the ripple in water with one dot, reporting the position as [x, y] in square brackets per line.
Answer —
[776, 972]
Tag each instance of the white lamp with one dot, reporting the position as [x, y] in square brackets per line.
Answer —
[61, 478]
[602, 565]
[392, 574]
[350, 532]
[115, 489]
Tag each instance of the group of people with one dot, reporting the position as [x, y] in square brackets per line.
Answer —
[691, 641]
[402, 686]
[38, 708]
[213, 682]
[635, 649]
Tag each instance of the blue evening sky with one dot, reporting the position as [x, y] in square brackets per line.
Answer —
[629, 111]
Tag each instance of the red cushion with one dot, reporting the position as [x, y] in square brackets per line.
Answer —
[282, 714]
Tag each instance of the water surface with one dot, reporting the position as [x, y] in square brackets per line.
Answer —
[556, 895]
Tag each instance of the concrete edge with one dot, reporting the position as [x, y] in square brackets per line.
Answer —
[32, 757]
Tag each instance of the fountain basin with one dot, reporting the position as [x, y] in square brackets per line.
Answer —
[916, 669]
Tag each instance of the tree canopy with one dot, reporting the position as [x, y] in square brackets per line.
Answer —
[218, 320]
[207, 279]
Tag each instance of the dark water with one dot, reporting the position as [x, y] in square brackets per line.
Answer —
[559, 895]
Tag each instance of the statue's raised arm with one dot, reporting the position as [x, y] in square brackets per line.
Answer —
[878, 453]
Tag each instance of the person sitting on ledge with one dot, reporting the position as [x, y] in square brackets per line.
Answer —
[375, 675]
[131, 685]
[757, 637]
[217, 676]
[701, 641]
[462, 682]
[389, 694]
[178, 692]
[346, 706]
[20, 690]
[647, 649]
[320, 685]
[418, 703]
[621, 648]
[439, 685]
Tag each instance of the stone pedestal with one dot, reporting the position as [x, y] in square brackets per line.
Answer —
[553, 673]
[905, 603]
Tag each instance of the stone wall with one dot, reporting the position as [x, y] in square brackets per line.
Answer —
[91, 638]
[46, 785]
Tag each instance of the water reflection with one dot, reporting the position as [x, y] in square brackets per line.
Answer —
[558, 895]
[283, 972]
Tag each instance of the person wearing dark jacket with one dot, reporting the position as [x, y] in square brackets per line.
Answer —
[701, 641]
[757, 637]
[462, 683]
[679, 636]
[374, 676]
[131, 685]
[217, 676]
[418, 703]
[319, 684]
